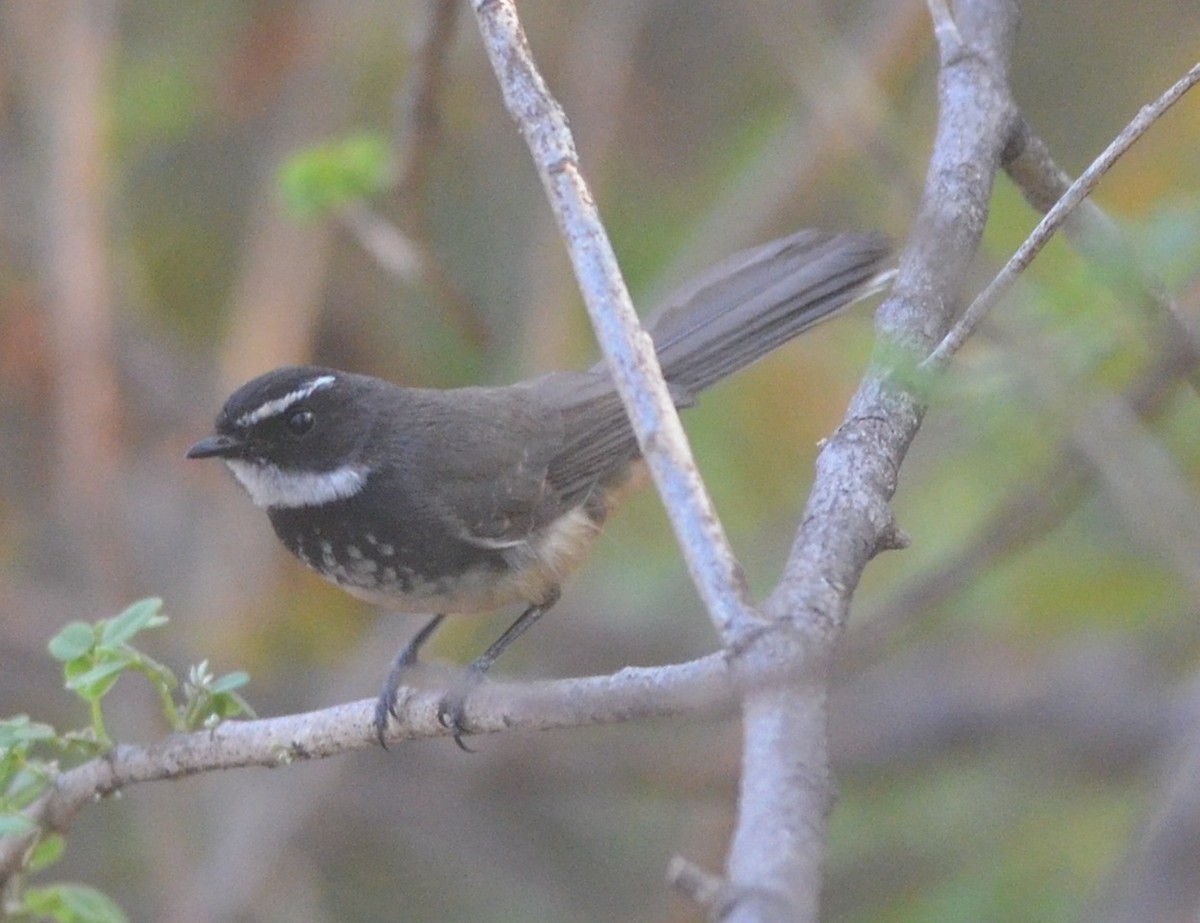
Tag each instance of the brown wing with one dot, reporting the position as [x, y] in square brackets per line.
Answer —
[479, 458]
[597, 442]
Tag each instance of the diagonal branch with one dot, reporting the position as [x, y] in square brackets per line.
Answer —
[774, 863]
[1054, 218]
[1040, 504]
[1094, 234]
[627, 348]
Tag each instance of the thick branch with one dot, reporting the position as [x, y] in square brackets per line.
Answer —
[635, 692]
[780, 838]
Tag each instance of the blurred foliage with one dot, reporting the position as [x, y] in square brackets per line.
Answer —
[704, 128]
[321, 179]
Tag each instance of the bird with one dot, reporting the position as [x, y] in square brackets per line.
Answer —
[465, 500]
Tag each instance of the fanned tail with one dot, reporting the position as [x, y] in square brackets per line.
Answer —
[757, 300]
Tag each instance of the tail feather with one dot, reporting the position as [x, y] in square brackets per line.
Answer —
[731, 316]
[756, 301]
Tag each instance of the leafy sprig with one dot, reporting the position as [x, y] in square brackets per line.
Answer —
[94, 657]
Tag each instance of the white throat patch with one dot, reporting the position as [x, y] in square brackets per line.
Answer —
[280, 404]
[270, 486]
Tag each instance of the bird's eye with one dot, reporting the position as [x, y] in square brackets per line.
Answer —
[299, 422]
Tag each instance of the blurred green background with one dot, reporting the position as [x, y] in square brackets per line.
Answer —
[1016, 688]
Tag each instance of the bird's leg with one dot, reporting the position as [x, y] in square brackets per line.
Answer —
[451, 708]
[386, 705]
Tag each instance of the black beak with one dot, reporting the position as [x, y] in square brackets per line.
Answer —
[216, 447]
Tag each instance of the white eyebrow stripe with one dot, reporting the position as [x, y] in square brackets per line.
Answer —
[280, 404]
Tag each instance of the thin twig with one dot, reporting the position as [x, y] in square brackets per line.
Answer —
[950, 42]
[1094, 234]
[1142, 483]
[422, 119]
[706, 890]
[392, 248]
[1053, 219]
[419, 140]
[1042, 501]
[1157, 879]
[845, 116]
[78, 278]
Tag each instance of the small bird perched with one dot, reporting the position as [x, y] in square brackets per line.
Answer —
[465, 500]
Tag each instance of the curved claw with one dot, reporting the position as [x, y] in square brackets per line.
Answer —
[384, 706]
[452, 709]
[452, 716]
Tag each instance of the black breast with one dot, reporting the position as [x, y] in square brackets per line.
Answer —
[385, 546]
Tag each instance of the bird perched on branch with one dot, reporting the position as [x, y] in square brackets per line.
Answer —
[465, 500]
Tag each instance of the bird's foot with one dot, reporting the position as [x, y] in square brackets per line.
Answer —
[385, 705]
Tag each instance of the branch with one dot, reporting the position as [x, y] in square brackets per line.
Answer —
[775, 858]
[635, 692]
[1157, 879]
[1039, 505]
[1094, 234]
[419, 139]
[422, 105]
[846, 114]
[786, 793]
[75, 265]
[1030, 511]
[1033, 244]
[626, 347]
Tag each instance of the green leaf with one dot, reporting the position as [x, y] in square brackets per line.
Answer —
[20, 730]
[73, 904]
[93, 683]
[84, 743]
[318, 179]
[48, 851]
[145, 613]
[230, 682]
[25, 784]
[75, 640]
[230, 705]
[14, 824]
